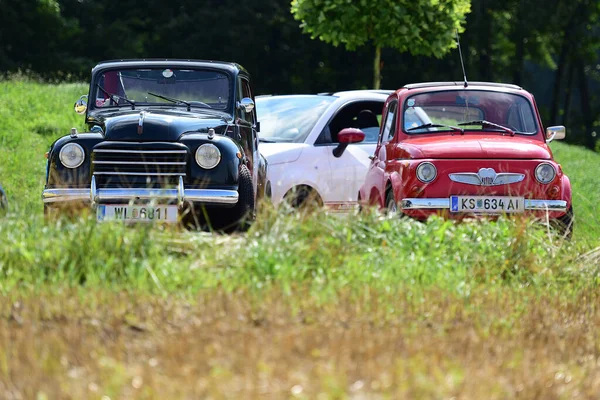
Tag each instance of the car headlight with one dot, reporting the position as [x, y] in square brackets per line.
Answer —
[71, 155]
[426, 172]
[545, 173]
[208, 156]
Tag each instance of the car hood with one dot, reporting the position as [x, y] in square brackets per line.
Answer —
[279, 153]
[475, 146]
[146, 125]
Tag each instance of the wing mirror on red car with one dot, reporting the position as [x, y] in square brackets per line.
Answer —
[345, 137]
[555, 133]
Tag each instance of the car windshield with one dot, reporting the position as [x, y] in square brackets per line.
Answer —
[289, 118]
[471, 110]
[202, 88]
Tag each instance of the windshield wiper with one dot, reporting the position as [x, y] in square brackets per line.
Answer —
[266, 140]
[172, 100]
[115, 98]
[484, 123]
[430, 125]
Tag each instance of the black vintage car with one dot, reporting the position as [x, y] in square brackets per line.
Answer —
[3, 201]
[167, 140]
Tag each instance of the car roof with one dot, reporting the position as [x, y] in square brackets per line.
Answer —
[185, 63]
[363, 94]
[461, 83]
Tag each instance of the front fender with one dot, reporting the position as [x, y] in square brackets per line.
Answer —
[566, 190]
[57, 175]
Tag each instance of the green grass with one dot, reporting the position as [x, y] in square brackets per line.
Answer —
[300, 306]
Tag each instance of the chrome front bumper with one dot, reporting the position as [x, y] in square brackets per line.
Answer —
[179, 194]
[444, 203]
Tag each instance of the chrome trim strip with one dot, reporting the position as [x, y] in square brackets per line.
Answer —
[444, 203]
[472, 178]
[543, 205]
[64, 194]
[138, 163]
[141, 173]
[424, 203]
[140, 151]
[93, 191]
[216, 196]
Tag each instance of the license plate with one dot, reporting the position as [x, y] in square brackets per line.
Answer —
[129, 213]
[487, 204]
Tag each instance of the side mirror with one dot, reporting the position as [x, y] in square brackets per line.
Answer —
[345, 137]
[555, 133]
[81, 104]
[246, 104]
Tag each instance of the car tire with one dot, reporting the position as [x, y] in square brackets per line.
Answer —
[243, 213]
[391, 205]
[564, 225]
[303, 197]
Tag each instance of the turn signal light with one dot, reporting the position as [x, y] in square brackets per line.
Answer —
[553, 191]
[416, 191]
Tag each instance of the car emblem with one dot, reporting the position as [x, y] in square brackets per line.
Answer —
[486, 177]
[140, 128]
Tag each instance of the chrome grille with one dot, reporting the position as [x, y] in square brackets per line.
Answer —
[123, 167]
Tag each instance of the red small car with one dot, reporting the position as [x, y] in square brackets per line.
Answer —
[459, 150]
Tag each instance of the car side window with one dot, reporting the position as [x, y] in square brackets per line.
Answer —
[246, 92]
[389, 129]
[364, 115]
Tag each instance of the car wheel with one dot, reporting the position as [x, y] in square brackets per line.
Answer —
[242, 213]
[564, 225]
[303, 197]
[391, 206]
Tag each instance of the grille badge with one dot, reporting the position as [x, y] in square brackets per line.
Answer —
[140, 128]
[487, 177]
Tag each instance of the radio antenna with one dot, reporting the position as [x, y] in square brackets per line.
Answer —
[462, 63]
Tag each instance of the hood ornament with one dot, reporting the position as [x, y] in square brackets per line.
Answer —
[486, 177]
[140, 128]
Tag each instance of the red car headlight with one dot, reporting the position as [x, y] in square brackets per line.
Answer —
[426, 172]
[545, 173]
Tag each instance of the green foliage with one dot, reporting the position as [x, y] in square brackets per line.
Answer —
[418, 27]
[324, 253]
[32, 116]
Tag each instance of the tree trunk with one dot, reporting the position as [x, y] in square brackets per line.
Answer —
[588, 118]
[518, 40]
[485, 42]
[377, 68]
[562, 59]
[568, 93]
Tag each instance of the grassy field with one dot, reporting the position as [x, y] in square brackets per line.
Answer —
[302, 306]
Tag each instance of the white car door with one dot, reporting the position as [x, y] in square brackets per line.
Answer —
[348, 171]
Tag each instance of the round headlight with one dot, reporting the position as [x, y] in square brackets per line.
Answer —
[208, 156]
[426, 172]
[71, 155]
[545, 173]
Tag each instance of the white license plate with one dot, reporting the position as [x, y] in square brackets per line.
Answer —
[129, 213]
[487, 204]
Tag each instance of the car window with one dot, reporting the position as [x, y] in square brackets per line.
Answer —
[460, 107]
[389, 129]
[290, 118]
[201, 88]
[246, 92]
[364, 115]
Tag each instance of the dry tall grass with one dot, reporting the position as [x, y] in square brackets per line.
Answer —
[492, 345]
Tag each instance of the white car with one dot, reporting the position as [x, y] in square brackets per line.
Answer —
[299, 136]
